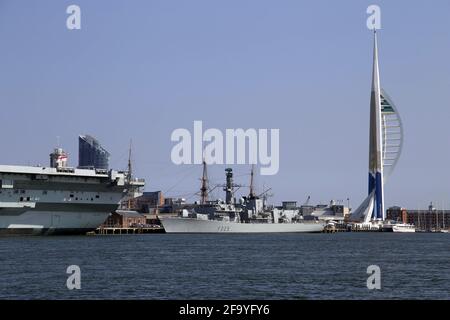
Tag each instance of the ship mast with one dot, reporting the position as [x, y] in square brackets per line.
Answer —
[204, 186]
[129, 175]
[252, 187]
[129, 162]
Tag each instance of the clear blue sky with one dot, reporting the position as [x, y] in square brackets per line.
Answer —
[140, 69]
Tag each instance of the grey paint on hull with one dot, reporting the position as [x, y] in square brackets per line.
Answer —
[45, 231]
[65, 207]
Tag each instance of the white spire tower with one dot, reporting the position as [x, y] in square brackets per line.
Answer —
[376, 178]
[385, 146]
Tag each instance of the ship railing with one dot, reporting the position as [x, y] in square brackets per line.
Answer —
[65, 169]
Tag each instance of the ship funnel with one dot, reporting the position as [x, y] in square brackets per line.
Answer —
[229, 187]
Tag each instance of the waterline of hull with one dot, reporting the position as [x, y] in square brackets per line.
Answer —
[35, 222]
[188, 225]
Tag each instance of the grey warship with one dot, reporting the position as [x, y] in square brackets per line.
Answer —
[249, 215]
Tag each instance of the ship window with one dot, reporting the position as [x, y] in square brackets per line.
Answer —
[28, 198]
[71, 195]
[76, 198]
[21, 199]
[16, 191]
[22, 191]
[97, 196]
[92, 199]
[6, 184]
[44, 192]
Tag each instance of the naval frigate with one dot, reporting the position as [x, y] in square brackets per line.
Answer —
[59, 199]
[250, 215]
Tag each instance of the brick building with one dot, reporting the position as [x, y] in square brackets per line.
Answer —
[149, 201]
[125, 219]
[427, 220]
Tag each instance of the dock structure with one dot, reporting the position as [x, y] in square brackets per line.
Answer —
[335, 228]
[363, 228]
[123, 231]
[349, 227]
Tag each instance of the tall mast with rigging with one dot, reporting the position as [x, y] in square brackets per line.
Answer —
[129, 162]
[204, 186]
[129, 174]
[252, 182]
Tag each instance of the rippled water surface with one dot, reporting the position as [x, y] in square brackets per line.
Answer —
[280, 266]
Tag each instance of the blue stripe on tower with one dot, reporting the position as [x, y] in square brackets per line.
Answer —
[379, 196]
[372, 187]
[371, 182]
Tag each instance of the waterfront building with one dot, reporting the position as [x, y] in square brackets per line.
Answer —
[91, 154]
[125, 219]
[148, 202]
[424, 220]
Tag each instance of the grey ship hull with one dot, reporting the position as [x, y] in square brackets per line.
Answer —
[192, 225]
[44, 201]
[38, 222]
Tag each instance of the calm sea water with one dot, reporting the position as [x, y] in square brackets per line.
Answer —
[281, 266]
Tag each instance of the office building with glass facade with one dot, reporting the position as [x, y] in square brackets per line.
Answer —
[91, 154]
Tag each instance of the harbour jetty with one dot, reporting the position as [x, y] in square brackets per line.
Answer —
[123, 231]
